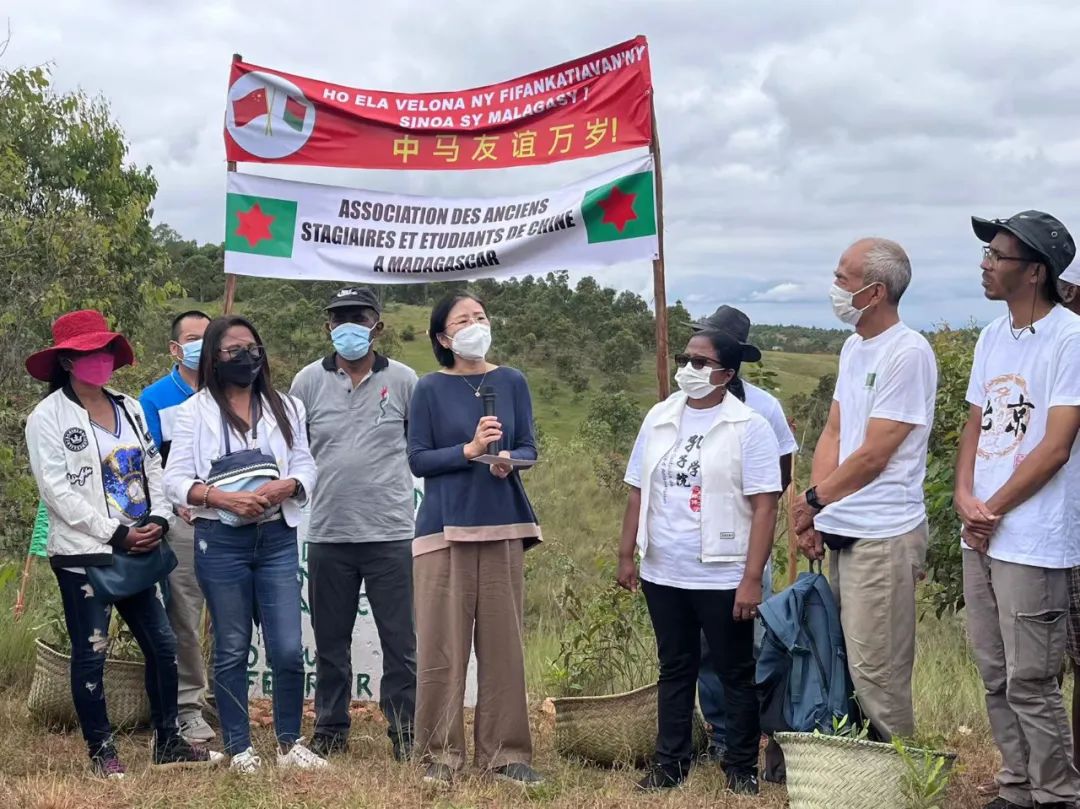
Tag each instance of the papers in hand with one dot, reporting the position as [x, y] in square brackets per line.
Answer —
[517, 463]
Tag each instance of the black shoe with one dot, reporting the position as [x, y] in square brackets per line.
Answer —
[324, 745]
[662, 777]
[439, 775]
[518, 773]
[1055, 805]
[176, 752]
[105, 763]
[1001, 803]
[403, 745]
[742, 782]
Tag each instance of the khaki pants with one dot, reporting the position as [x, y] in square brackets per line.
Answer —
[1016, 618]
[185, 611]
[471, 589]
[874, 584]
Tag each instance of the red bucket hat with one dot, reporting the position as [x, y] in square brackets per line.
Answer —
[84, 330]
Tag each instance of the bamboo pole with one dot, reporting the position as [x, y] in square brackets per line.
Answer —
[20, 599]
[663, 377]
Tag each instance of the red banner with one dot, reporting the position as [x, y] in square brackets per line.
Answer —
[591, 106]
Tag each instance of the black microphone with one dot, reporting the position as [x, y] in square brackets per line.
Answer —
[487, 395]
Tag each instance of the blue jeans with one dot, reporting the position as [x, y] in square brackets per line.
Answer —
[249, 573]
[711, 690]
[87, 619]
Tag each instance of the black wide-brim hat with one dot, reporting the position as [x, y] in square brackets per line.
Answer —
[735, 324]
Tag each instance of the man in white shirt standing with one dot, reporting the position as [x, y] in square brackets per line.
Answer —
[866, 501]
[1012, 496]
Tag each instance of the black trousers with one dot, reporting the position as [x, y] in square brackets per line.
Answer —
[336, 572]
[678, 618]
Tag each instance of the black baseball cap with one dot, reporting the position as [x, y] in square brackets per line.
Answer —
[1039, 231]
[354, 297]
[735, 324]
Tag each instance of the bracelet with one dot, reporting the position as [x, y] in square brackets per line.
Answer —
[206, 495]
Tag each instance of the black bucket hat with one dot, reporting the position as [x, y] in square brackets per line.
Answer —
[735, 324]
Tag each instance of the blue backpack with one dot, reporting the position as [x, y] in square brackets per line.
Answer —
[802, 672]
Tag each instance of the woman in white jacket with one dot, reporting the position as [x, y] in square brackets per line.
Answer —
[705, 479]
[99, 475]
[246, 557]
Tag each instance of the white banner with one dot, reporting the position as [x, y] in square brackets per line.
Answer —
[301, 231]
[366, 650]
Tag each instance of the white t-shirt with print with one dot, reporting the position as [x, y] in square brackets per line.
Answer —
[673, 556]
[892, 376]
[122, 471]
[1016, 382]
[763, 402]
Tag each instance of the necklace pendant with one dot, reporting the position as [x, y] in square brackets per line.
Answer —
[477, 394]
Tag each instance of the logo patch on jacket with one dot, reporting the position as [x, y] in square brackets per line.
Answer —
[80, 479]
[75, 439]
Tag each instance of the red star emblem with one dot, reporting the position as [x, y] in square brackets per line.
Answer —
[618, 208]
[254, 225]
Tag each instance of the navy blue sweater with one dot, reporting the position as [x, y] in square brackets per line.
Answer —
[463, 501]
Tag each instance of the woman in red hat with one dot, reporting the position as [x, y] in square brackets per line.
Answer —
[99, 474]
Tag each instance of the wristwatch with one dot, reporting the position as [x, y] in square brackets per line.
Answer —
[812, 499]
[298, 492]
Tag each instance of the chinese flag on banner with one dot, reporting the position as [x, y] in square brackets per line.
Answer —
[250, 107]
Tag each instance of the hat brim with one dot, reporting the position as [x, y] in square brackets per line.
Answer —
[750, 353]
[986, 230]
[353, 305]
[42, 364]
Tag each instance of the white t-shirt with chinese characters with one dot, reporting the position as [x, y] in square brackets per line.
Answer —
[763, 402]
[891, 376]
[1016, 382]
[673, 557]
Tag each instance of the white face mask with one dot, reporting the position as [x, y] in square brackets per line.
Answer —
[842, 305]
[693, 383]
[472, 342]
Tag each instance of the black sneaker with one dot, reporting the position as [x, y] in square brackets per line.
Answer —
[106, 764]
[1001, 803]
[324, 745]
[518, 773]
[662, 777]
[438, 775]
[177, 753]
[742, 782]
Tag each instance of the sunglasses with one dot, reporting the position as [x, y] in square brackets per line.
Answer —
[697, 363]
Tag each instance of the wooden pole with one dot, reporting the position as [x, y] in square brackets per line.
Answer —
[663, 377]
[230, 279]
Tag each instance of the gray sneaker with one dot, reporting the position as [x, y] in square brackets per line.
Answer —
[518, 773]
[195, 729]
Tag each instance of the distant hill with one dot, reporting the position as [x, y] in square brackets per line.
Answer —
[799, 339]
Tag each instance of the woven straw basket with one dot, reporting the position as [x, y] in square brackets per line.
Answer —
[616, 729]
[834, 772]
[50, 691]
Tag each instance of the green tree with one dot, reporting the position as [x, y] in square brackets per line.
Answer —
[620, 353]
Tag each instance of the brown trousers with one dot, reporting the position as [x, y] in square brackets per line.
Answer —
[471, 590]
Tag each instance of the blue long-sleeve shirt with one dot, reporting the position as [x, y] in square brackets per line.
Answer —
[463, 501]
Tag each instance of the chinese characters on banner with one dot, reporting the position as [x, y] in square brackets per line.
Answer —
[594, 105]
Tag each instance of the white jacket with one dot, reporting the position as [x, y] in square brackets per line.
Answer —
[726, 514]
[197, 441]
[66, 464]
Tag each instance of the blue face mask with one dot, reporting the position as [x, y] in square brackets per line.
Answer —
[351, 340]
[192, 353]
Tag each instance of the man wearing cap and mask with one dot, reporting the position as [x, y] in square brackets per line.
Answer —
[1013, 497]
[1069, 290]
[160, 401]
[736, 324]
[866, 499]
[361, 527]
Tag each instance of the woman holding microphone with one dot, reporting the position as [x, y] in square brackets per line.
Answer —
[705, 479]
[474, 525]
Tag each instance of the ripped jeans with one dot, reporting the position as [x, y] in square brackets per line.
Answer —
[87, 620]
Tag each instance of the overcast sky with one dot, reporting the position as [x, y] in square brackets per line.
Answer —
[789, 128]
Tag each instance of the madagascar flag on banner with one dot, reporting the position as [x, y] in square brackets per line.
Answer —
[284, 229]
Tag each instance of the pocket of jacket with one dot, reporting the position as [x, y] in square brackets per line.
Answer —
[718, 526]
[1039, 644]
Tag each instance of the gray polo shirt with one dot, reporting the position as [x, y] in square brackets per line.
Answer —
[358, 438]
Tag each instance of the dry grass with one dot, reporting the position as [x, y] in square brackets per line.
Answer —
[48, 771]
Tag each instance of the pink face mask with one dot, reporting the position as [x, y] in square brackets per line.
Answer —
[94, 369]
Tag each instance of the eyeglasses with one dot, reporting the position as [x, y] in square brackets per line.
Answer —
[993, 256]
[467, 321]
[256, 352]
[697, 363]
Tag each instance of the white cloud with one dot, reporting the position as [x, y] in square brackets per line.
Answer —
[789, 129]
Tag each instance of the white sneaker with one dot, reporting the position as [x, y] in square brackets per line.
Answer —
[246, 763]
[301, 757]
[195, 729]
